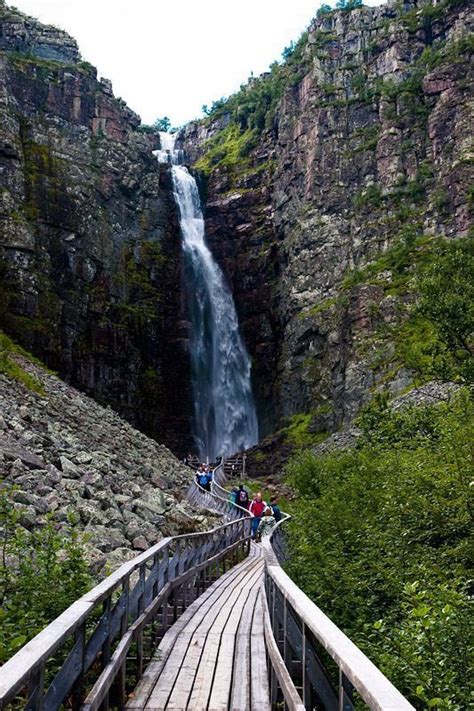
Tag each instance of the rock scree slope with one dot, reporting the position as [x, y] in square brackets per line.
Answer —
[66, 454]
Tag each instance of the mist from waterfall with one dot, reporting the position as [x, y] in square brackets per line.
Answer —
[225, 420]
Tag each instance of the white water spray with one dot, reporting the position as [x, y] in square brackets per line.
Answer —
[225, 420]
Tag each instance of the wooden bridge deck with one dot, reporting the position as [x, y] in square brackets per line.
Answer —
[213, 658]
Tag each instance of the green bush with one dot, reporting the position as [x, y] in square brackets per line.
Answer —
[446, 286]
[41, 574]
[380, 540]
[10, 366]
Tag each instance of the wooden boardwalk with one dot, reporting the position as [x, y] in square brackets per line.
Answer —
[213, 658]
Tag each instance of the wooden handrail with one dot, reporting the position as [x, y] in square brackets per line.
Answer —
[287, 602]
[138, 583]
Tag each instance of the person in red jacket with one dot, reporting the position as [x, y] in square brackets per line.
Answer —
[257, 507]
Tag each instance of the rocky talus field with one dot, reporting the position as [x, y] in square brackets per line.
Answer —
[66, 455]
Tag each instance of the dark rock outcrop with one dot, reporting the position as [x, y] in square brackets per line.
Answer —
[90, 253]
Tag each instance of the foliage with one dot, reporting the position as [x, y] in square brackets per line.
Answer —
[228, 149]
[446, 287]
[41, 573]
[11, 367]
[323, 10]
[386, 554]
[348, 5]
[162, 124]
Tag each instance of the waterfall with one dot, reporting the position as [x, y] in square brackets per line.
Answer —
[225, 420]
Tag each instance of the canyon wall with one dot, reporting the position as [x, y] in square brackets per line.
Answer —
[361, 164]
[90, 253]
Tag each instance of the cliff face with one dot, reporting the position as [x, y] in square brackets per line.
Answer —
[326, 183]
[90, 253]
[360, 165]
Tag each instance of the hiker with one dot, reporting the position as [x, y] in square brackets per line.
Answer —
[257, 507]
[202, 479]
[242, 497]
[233, 495]
[267, 522]
[275, 508]
[210, 475]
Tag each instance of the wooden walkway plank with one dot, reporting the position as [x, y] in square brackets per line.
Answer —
[259, 694]
[168, 681]
[205, 672]
[194, 614]
[240, 696]
[222, 685]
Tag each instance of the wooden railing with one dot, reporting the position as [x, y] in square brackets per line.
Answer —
[218, 498]
[298, 636]
[92, 653]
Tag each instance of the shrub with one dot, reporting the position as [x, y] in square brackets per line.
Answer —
[41, 573]
[380, 540]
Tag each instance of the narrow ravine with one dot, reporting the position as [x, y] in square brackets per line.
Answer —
[225, 419]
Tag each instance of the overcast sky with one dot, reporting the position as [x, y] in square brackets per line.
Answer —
[171, 57]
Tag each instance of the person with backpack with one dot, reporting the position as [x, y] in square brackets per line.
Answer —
[233, 495]
[202, 479]
[267, 522]
[257, 507]
[275, 508]
[242, 497]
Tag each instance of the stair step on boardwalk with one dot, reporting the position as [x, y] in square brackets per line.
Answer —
[213, 658]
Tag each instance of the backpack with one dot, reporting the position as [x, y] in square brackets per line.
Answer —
[203, 480]
[243, 497]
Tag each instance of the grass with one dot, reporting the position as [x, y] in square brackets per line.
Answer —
[10, 367]
[228, 149]
[297, 432]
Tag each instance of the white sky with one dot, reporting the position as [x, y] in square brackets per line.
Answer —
[169, 57]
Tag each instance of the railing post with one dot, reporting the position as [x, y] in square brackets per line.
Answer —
[80, 637]
[105, 656]
[141, 602]
[122, 674]
[35, 691]
[346, 701]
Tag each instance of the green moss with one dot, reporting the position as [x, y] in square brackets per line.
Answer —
[139, 282]
[23, 60]
[229, 149]
[10, 367]
[297, 432]
[321, 307]
[399, 259]
[372, 195]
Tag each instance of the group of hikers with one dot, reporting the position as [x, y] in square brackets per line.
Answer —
[265, 516]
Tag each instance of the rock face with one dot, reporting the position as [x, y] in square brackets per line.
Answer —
[68, 455]
[364, 159]
[90, 254]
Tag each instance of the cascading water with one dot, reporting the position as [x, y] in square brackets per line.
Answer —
[225, 420]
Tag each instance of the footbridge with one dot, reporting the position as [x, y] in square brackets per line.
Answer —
[203, 621]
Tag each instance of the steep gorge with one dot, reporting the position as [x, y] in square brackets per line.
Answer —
[325, 183]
